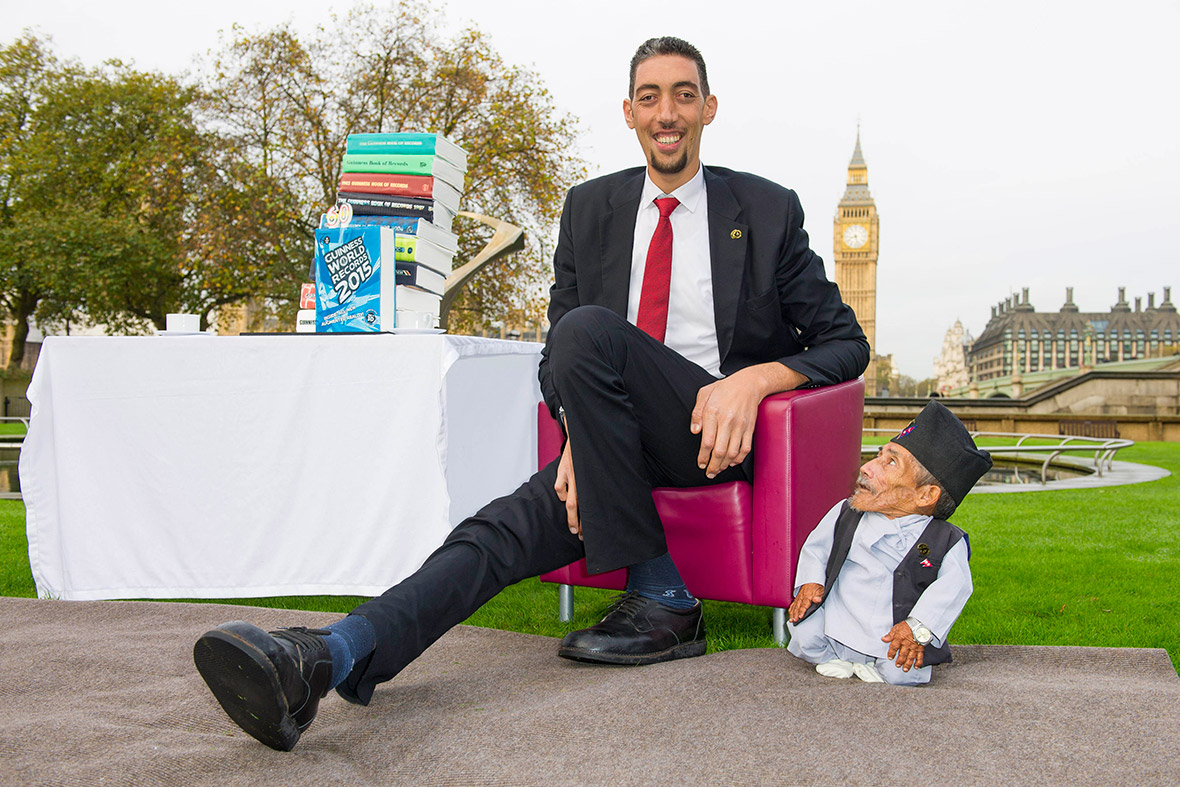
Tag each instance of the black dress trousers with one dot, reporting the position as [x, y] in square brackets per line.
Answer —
[628, 401]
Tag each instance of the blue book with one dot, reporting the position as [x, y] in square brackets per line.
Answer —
[408, 143]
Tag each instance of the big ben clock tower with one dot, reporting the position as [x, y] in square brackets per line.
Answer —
[854, 251]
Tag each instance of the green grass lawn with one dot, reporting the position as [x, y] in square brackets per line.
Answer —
[1097, 567]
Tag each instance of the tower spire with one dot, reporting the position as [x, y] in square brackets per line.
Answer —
[858, 176]
[858, 160]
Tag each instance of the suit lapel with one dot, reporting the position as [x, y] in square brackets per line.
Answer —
[727, 257]
[617, 231]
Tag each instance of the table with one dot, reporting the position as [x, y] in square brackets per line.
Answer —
[236, 467]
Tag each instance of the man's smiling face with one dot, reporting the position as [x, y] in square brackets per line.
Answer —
[668, 111]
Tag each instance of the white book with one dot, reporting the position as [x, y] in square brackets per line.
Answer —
[412, 299]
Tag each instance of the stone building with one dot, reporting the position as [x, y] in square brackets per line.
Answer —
[854, 252]
[950, 365]
[1020, 340]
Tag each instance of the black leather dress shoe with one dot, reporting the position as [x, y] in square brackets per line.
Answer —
[270, 684]
[638, 630]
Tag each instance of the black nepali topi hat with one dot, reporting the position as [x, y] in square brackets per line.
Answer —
[943, 445]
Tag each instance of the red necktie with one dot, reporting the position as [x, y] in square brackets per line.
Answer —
[657, 274]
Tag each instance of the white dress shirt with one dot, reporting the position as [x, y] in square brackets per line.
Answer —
[692, 328]
[859, 609]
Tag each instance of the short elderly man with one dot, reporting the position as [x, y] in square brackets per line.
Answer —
[684, 294]
[884, 576]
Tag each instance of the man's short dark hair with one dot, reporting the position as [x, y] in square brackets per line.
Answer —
[668, 45]
[946, 504]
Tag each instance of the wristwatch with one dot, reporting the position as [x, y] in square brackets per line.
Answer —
[922, 635]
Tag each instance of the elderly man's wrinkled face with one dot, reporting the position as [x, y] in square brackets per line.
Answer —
[886, 484]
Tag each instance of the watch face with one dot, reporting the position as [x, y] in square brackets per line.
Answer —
[855, 236]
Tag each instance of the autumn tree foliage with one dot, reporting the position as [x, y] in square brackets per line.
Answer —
[288, 102]
[24, 65]
[117, 207]
[126, 195]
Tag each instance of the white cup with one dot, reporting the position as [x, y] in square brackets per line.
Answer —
[415, 321]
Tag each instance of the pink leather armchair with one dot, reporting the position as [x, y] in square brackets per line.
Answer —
[739, 541]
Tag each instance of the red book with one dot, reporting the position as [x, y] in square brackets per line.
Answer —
[402, 186]
[307, 296]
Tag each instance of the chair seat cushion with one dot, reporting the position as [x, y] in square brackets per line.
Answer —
[709, 531]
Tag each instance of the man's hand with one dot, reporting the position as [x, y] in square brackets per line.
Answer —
[810, 593]
[567, 490]
[902, 645]
[726, 410]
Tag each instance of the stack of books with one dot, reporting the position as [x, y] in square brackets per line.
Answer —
[384, 251]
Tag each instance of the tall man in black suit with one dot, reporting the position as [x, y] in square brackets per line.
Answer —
[683, 297]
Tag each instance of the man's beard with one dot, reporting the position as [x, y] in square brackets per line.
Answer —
[673, 168]
[861, 488]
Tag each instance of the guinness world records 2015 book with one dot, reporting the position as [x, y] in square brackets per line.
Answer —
[355, 279]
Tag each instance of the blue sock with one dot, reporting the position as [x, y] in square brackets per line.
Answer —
[658, 579]
[351, 640]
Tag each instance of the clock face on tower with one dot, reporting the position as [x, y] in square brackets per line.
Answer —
[855, 236]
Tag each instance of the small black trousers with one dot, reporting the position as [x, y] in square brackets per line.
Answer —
[628, 401]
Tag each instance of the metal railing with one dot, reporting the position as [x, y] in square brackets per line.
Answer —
[11, 441]
[1102, 448]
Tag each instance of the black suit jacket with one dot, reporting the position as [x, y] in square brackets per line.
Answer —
[771, 297]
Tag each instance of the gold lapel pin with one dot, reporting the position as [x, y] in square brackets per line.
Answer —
[923, 550]
[735, 234]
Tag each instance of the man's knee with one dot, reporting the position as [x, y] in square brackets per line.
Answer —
[583, 340]
[583, 328]
[808, 640]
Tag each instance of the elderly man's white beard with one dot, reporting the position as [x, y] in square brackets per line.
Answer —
[862, 485]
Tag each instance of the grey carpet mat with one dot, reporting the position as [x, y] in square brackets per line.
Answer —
[105, 692]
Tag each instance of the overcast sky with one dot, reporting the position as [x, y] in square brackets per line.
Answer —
[1009, 144]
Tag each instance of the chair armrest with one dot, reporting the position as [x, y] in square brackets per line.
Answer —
[549, 437]
[806, 456]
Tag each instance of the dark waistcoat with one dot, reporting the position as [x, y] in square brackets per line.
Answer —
[910, 577]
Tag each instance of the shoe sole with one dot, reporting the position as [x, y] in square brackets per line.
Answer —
[235, 667]
[683, 651]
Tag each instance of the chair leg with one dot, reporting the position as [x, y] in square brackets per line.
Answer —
[779, 623]
[565, 603]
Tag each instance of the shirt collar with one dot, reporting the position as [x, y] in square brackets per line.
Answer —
[900, 524]
[689, 194]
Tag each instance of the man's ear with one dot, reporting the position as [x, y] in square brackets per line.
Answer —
[927, 496]
[710, 109]
[627, 116]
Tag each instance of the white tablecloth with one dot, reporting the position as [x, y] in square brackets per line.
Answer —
[234, 467]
